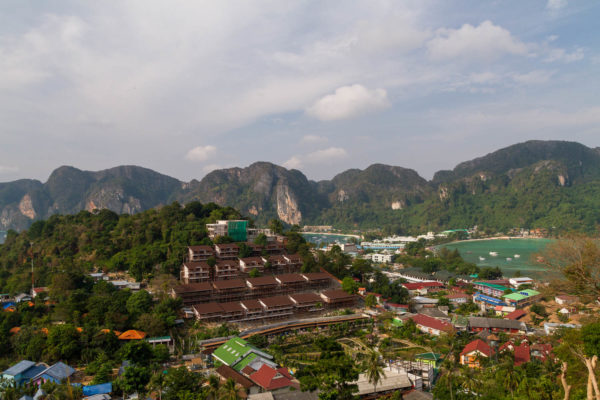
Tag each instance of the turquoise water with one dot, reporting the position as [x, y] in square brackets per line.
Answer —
[506, 248]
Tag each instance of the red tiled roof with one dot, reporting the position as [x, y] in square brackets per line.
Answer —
[457, 296]
[201, 247]
[194, 287]
[306, 298]
[208, 308]
[290, 278]
[252, 304]
[230, 373]
[195, 265]
[232, 306]
[522, 354]
[421, 285]
[477, 345]
[515, 315]
[229, 284]
[262, 281]
[430, 322]
[276, 301]
[270, 379]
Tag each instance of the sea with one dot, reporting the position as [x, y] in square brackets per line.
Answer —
[527, 250]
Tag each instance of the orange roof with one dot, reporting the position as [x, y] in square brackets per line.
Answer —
[30, 304]
[117, 333]
[10, 309]
[14, 330]
[79, 329]
[132, 335]
[44, 331]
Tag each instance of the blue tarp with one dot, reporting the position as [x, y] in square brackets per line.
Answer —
[6, 305]
[103, 388]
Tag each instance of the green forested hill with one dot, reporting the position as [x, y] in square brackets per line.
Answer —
[146, 243]
[535, 184]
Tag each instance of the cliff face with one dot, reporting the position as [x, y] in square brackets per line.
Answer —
[510, 181]
[262, 190]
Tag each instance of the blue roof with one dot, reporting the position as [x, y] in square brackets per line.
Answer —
[34, 371]
[58, 371]
[19, 368]
[9, 304]
[103, 388]
[489, 299]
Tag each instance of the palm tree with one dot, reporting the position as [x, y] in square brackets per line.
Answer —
[214, 384]
[157, 383]
[374, 370]
[230, 390]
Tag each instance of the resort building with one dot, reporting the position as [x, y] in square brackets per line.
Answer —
[522, 298]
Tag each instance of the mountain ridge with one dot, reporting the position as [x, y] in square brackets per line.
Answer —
[379, 195]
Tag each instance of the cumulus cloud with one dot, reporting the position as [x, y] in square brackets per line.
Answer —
[484, 42]
[563, 55]
[536, 77]
[313, 139]
[349, 102]
[319, 157]
[555, 5]
[201, 153]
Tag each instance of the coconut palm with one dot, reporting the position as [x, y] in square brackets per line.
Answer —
[230, 390]
[374, 370]
[214, 384]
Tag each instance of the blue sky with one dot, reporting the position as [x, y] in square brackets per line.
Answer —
[184, 87]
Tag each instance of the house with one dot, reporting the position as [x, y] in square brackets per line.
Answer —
[22, 372]
[274, 379]
[516, 282]
[38, 291]
[490, 289]
[435, 313]
[516, 315]
[381, 258]
[431, 325]
[226, 372]
[397, 308]
[394, 380]
[95, 390]
[132, 335]
[478, 324]
[22, 297]
[458, 298]
[471, 354]
[423, 287]
[226, 251]
[56, 373]
[237, 354]
[521, 352]
[199, 253]
[338, 298]
[501, 311]
[522, 298]
[564, 299]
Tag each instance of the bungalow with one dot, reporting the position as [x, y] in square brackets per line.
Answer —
[22, 372]
[458, 298]
[56, 373]
[478, 324]
[566, 299]
[474, 351]
[431, 325]
[423, 287]
[274, 379]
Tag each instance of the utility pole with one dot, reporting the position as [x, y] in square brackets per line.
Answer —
[32, 280]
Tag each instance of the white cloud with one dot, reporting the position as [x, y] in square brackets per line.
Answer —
[6, 169]
[536, 77]
[313, 139]
[201, 153]
[555, 5]
[293, 163]
[349, 102]
[565, 56]
[326, 156]
[484, 42]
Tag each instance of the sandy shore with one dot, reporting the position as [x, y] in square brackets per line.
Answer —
[331, 234]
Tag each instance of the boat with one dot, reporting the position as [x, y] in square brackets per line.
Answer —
[517, 255]
[508, 259]
[493, 253]
[481, 259]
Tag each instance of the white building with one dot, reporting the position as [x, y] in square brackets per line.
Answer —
[381, 258]
[516, 282]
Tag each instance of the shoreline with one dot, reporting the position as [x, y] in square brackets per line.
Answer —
[492, 238]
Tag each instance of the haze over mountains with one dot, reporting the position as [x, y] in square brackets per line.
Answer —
[550, 184]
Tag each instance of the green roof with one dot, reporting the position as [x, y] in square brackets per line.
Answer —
[522, 295]
[429, 356]
[491, 285]
[232, 351]
[245, 361]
